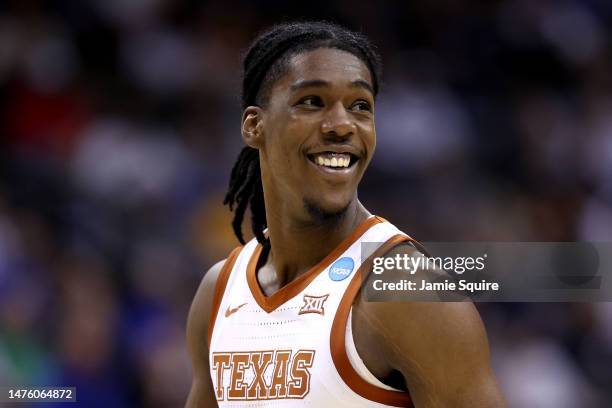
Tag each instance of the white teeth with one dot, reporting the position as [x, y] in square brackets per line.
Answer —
[334, 160]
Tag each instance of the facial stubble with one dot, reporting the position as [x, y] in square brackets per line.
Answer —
[320, 215]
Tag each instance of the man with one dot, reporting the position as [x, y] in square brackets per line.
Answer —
[279, 322]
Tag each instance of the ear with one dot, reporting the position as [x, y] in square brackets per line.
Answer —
[252, 127]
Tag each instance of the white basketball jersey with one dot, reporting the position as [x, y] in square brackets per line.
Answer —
[288, 349]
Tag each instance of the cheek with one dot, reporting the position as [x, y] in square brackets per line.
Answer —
[292, 136]
[368, 132]
[282, 148]
[301, 124]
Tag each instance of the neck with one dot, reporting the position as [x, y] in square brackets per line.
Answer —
[295, 246]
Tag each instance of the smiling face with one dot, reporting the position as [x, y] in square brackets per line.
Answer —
[316, 134]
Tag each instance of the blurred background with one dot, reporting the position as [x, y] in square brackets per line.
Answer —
[120, 121]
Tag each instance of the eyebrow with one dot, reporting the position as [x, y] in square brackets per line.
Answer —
[311, 83]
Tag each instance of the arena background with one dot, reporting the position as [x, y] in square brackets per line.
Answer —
[119, 124]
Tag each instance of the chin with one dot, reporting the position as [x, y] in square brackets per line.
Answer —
[326, 211]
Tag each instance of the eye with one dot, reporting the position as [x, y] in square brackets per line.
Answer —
[311, 101]
[361, 105]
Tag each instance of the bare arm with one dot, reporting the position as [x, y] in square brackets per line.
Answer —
[440, 348]
[201, 394]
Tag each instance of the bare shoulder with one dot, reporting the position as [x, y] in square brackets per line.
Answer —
[201, 307]
[201, 394]
[440, 348]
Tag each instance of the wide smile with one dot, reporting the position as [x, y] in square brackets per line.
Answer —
[336, 166]
[333, 161]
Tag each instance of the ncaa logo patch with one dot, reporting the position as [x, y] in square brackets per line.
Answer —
[341, 269]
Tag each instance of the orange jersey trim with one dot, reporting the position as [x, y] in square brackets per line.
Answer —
[338, 337]
[220, 289]
[290, 290]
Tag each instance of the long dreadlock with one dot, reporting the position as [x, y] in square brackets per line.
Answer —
[265, 62]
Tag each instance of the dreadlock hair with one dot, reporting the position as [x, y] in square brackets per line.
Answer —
[267, 60]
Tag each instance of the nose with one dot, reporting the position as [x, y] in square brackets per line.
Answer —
[337, 122]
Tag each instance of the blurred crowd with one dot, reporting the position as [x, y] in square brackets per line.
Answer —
[120, 122]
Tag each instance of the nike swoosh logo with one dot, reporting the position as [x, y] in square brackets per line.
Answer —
[230, 312]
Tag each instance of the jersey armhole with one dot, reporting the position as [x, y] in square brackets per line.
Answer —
[220, 285]
[356, 361]
[338, 337]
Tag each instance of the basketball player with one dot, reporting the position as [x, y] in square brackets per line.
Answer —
[279, 323]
